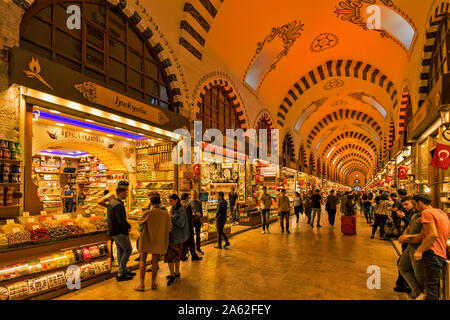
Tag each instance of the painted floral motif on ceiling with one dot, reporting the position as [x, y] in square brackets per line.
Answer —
[350, 10]
[324, 41]
[288, 33]
[333, 84]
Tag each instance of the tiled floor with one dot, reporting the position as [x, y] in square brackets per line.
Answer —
[309, 263]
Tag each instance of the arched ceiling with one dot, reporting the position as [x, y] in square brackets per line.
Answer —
[324, 75]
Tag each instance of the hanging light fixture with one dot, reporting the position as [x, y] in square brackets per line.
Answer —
[444, 110]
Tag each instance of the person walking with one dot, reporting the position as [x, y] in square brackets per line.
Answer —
[155, 226]
[344, 203]
[197, 212]
[411, 271]
[433, 247]
[350, 205]
[316, 205]
[265, 203]
[233, 197]
[68, 196]
[331, 207]
[189, 245]
[298, 205]
[308, 206]
[221, 219]
[179, 235]
[284, 209]
[118, 230]
[367, 207]
[396, 206]
[381, 215]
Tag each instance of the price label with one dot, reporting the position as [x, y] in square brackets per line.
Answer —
[15, 230]
[35, 227]
[93, 215]
[10, 221]
[70, 223]
[30, 220]
[43, 213]
[26, 214]
[79, 216]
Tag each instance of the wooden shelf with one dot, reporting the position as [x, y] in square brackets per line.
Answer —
[45, 272]
[10, 160]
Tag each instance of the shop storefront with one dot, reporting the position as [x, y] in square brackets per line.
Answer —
[80, 132]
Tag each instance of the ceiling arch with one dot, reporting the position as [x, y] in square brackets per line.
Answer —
[356, 147]
[350, 134]
[343, 114]
[348, 162]
[334, 70]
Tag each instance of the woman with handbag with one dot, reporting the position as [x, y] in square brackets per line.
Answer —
[178, 236]
[154, 226]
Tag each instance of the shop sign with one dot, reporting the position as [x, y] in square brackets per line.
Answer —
[108, 98]
[33, 71]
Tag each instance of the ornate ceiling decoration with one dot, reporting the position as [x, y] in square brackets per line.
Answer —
[324, 41]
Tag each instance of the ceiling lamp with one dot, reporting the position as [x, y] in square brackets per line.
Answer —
[444, 110]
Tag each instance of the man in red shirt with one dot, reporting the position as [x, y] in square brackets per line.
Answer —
[433, 249]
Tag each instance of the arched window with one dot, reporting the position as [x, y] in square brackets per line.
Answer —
[440, 53]
[265, 123]
[107, 47]
[217, 111]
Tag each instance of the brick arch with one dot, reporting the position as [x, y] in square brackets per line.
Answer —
[312, 163]
[231, 92]
[264, 115]
[343, 114]
[437, 14]
[302, 160]
[332, 69]
[198, 17]
[288, 142]
[129, 9]
[355, 168]
[405, 111]
[352, 162]
[354, 155]
[351, 135]
[359, 148]
[391, 134]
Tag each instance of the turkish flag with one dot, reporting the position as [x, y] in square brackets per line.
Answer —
[284, 181]
[441, 157]
[388, 179]
[402, 172]
[257, 177]
[381, 183]
[196, 168]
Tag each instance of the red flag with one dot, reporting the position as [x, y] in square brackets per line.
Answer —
[381, 183]
[441, 157]
[402, 172]
[196, 168]
[388, 179]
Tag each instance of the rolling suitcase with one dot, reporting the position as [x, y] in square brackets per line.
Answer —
[348, 225]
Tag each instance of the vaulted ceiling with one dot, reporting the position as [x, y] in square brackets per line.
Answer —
[324, 75]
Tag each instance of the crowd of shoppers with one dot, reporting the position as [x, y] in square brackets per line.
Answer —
[422, 230]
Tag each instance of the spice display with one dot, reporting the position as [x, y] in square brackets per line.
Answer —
[18, 239]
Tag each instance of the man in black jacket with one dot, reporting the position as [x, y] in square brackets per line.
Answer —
[118, 229]
[189, 245]
[221, 219]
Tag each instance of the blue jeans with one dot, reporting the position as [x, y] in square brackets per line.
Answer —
[284, 215]
[265, 216]
[316, 211]
[124, 249]
[433, 264]
[233, 213]
[368, 213]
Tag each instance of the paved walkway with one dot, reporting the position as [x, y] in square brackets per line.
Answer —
[309, 263]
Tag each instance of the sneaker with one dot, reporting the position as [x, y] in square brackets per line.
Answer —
[176, 276]
[171, 280]
[371, 237]
[131, 274]
[149, 269]
[139, 287]
[124, 277]
[422, 296]
[197, 258]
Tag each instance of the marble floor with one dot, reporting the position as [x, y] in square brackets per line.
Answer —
[309, 263]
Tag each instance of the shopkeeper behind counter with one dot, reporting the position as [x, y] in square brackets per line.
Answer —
[68, 198]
